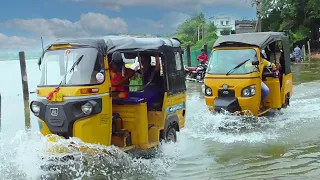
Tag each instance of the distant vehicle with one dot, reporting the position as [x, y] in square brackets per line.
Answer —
[196, 73]
[236, 71]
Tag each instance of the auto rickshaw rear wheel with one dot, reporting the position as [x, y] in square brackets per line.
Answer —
[170, 134]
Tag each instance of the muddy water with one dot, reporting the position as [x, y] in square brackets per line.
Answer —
[285, 145]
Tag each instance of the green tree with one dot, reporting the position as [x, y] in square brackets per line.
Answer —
[297, 16]
[187, 32]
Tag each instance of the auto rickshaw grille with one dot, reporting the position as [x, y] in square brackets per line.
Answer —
[226, 93]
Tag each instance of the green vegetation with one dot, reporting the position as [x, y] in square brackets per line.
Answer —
[299, 17]
[187, 32]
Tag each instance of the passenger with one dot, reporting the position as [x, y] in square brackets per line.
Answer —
[264, 88]
[117, 76]
[203, 57]
[148, 69]
[297, 54]
[152, 79]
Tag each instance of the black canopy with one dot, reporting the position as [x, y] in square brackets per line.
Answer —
[260, 39]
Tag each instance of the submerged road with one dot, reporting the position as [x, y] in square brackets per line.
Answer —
[285, 145]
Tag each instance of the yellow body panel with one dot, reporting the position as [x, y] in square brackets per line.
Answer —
[174, 100]
[273, 100]
[44, 128]
[237, 83]
[286, 86]
[135, 120]
[96, 129]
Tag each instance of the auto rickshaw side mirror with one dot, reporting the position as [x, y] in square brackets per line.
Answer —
[39, 62]
[255, 63]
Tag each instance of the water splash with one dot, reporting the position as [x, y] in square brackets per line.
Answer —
[25, 157]
[230, 128]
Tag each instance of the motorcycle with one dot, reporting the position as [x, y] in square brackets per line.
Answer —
[196, 73]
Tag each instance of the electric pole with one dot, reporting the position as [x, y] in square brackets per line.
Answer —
[203, 40]
[258, 7]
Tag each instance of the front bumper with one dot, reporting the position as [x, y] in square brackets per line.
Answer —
[230, 104]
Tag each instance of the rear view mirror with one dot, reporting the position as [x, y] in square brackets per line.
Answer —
[255, 63]
[39, 62]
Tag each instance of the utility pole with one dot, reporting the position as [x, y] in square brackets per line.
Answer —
[203, 34]
[258, 7]
[199, 33]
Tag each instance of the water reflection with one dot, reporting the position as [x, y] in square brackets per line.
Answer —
[27, 113]
[305, 72]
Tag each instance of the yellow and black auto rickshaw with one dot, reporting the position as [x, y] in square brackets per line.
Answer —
[236, 73]
[74, 96]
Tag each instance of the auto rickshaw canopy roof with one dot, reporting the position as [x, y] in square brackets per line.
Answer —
[260, 39]
[110, 44]
[175, 81]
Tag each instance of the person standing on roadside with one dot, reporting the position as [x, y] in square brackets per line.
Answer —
[297, 54]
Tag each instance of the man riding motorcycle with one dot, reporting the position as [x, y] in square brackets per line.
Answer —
[203, 57]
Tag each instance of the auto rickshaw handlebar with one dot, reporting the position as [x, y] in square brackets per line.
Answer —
[270, 73]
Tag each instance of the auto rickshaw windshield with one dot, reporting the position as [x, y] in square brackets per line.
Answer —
[88, 67]
[223, 60]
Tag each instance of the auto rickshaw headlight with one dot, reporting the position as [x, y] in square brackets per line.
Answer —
[249, 91]
[208, 91]
[35, 108]
[87, 108]
[203, 88]
[253, 91]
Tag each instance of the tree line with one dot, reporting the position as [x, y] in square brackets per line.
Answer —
[298, 17]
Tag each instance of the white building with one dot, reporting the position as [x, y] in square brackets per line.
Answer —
[223, 22]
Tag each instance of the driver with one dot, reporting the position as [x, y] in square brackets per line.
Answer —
[118, 81]
[266, 64]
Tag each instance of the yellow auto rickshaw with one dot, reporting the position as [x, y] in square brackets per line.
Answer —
[74, 96]
[236, 70]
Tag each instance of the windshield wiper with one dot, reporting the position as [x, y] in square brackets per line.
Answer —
[65, 76]
[72, 68]
[235, 68]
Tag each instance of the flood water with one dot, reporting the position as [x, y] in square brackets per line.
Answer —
[285, 145]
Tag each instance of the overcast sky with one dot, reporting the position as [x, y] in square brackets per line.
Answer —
[23, 22]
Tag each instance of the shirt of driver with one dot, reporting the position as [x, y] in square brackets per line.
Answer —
[268, 64]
